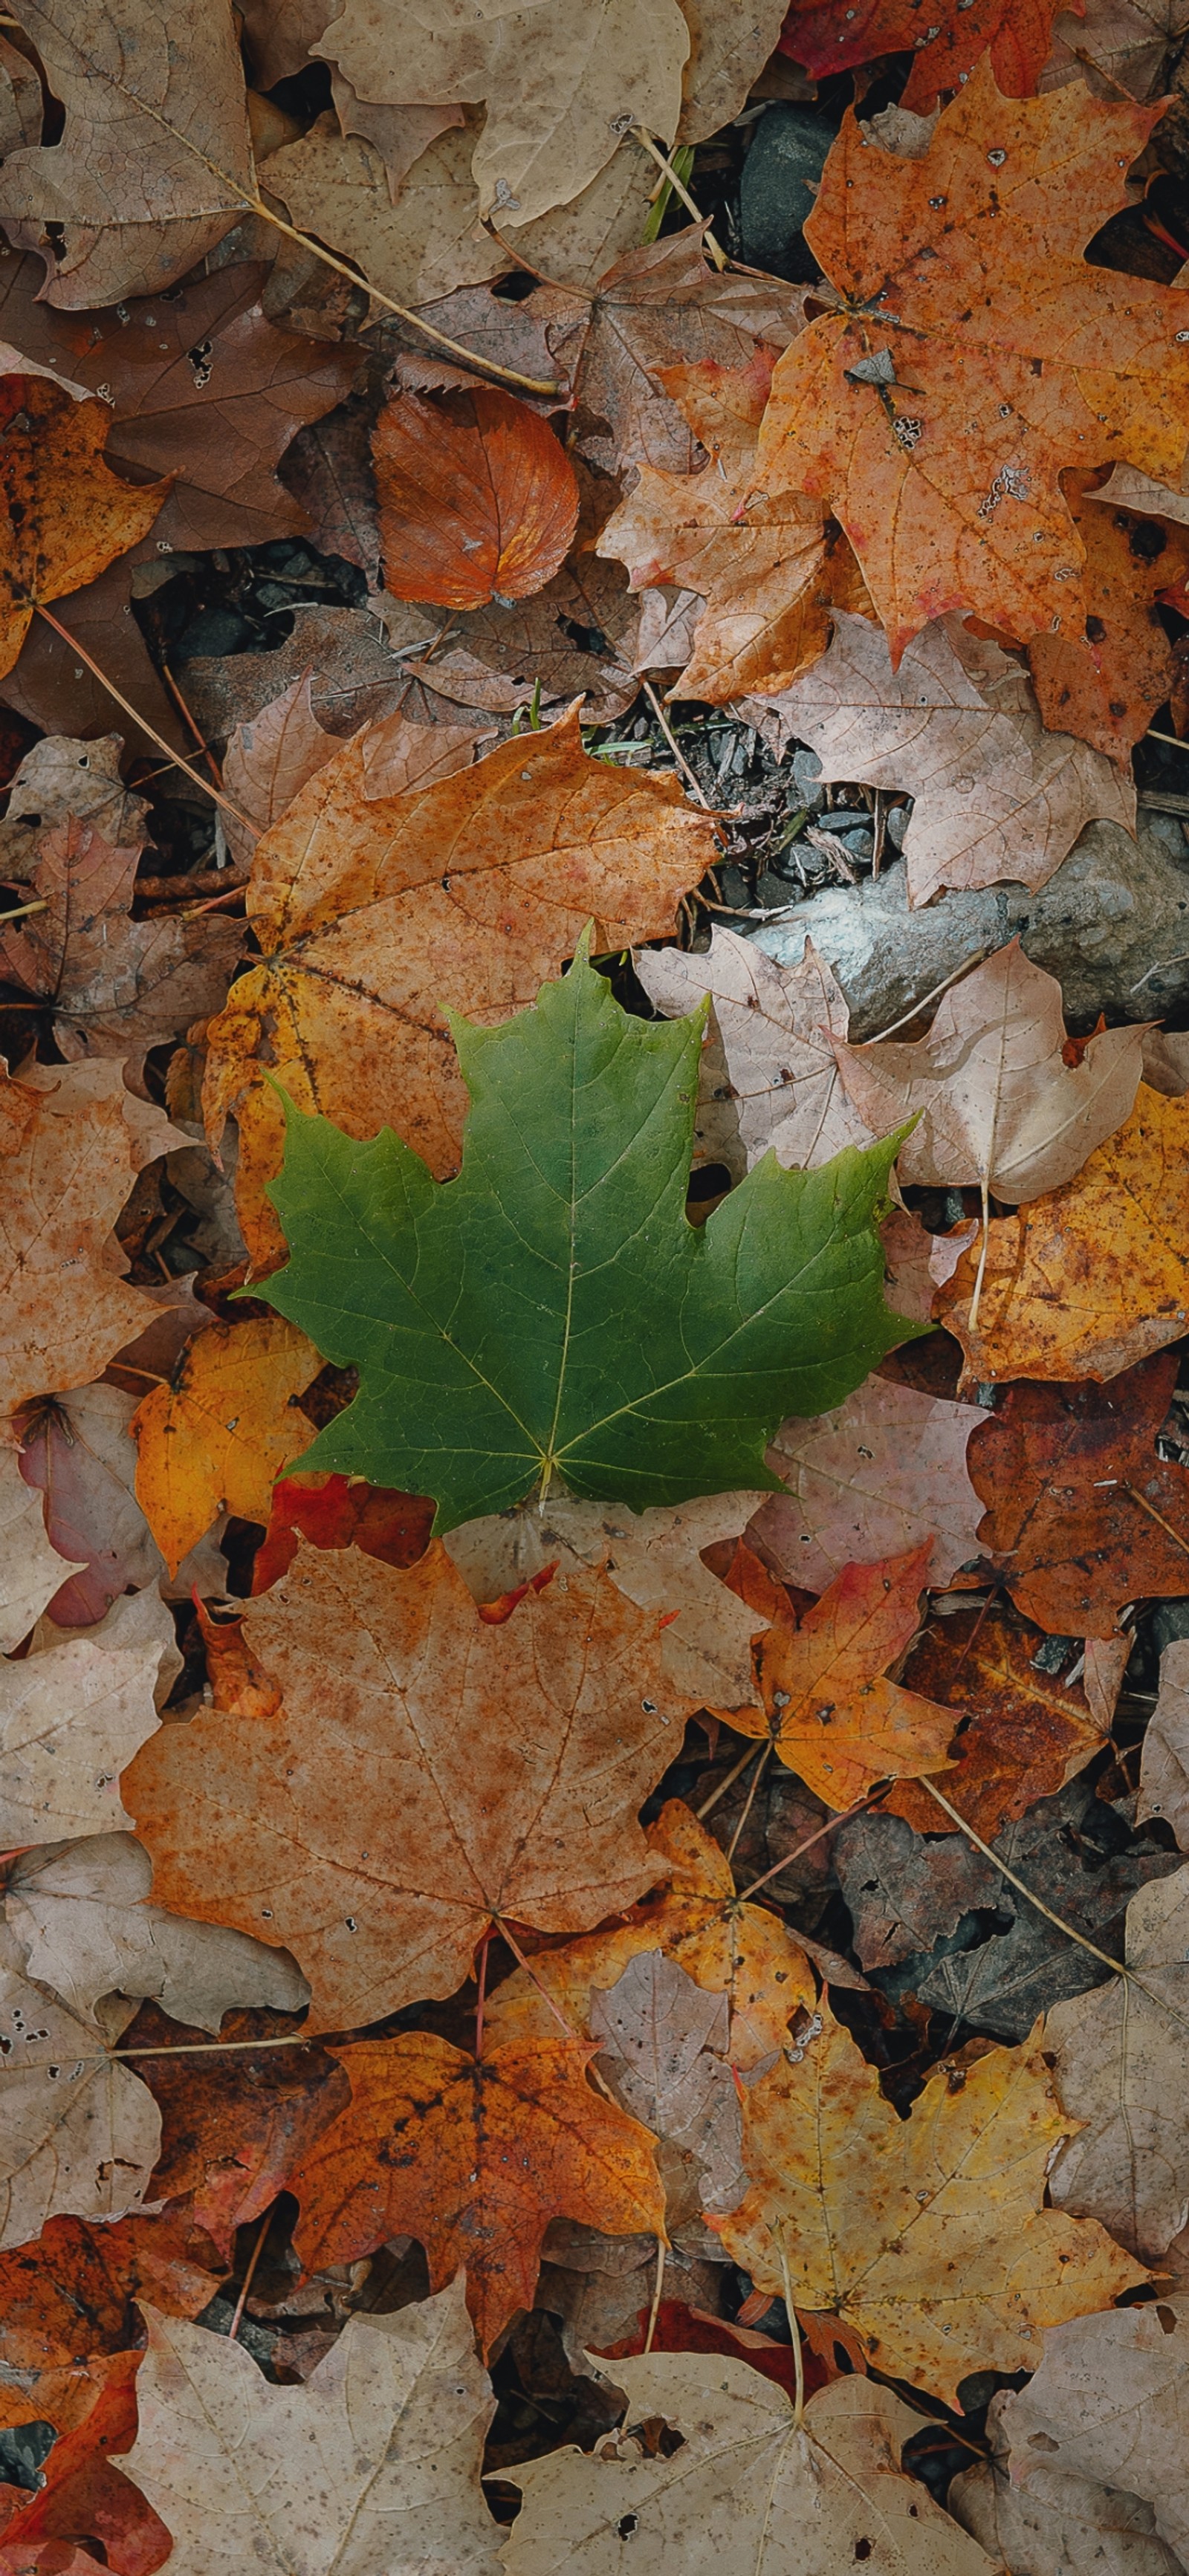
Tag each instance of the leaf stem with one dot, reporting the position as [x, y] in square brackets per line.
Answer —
[655, 2309]
[174, 757]
[1118, 1966]
[677, 183]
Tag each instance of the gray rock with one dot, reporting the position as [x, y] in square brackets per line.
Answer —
[807, 772]
[1116, 910]
[778, 188]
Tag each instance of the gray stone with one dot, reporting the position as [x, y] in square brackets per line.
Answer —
[778, 189]
[1116, 910]
[807, 771]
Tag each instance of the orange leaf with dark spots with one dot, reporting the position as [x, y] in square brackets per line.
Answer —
[1106, 684]
[478, 499]
[64, 516]
[474, 2157]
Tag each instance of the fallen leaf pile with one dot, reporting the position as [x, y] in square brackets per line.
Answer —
[594, 1525]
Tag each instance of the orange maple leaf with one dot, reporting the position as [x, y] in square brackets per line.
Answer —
[474, 2157]
[974, 355]
[832, 1715]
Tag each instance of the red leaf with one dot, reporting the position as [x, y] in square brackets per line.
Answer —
[477, 499]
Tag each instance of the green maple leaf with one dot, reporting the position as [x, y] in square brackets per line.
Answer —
[551, 1313]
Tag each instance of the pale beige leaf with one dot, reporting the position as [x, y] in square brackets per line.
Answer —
[1164, 1758]
[1119, 48]
[1061, 2523]
[1128, 489]
[155, 159]
[957, 727]
[400, 134]
[370, 2469]
[268, 760]
[70, 1719]
[1107, 1659]
[995, 1102]
[883, 1472]
[81, 2132]
[654, 1559]
[774, 1023]
[664, 2044]
[63, 776]
[560, 86]
[79, 1912]
[1118, 2060]
[31, 1571]
[1111, 2401]
[729, 46]
[747, 2493]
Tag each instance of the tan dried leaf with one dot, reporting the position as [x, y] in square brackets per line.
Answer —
[996, 1103]
[81, 2132]
[79, 1912]
[1119, 2067]
[882, 1474]
[370, 2469]
[1108, 2402]
[957, 727]
[748, 2490]
[1164, 1756]
[31, 1571]
[775, 1024]
[1061, 2523]
[70, 1719]
[729, 47]
[664, 2044]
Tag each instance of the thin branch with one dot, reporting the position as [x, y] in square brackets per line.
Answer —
[674, 745]
[174, 757]
[718, 255]
[1118, 1966]
[249, 2276]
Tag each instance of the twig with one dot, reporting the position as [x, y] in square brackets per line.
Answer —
[708, 1804]
[174, 757]
[257, 2251]
[745, 1811]
[1172, 739]
[19, 911]
[794, 2331]
[1153, 1515]
[674, 745]
[811, 1839]
[718, 255]
[654, 2311]
[195, 728]
[1119, 1966]
[979, 957]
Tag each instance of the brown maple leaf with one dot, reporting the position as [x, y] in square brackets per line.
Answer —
[111, 984]
[473, 2157]
[515, 1759]
[377, 917]
[1020, 1732]
[770, 567]
[974, 355]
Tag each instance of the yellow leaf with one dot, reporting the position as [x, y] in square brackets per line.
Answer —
[214, 1440]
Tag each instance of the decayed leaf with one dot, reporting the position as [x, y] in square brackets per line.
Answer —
[659, 1353]
[72, 1141]
[927, 2235]
[259, 1825]
[828, 36]
[774, 1023]
[77, 1450]
[657, 305]
[654, 1558]
[81, 2132]
[154, 163]
[111, 983]
[474, 500]
[770, 567]
[882, 1474]
[269, 759]
[375, 2457]
[199, 386]
[63, 776]
[1061, 1469]
[832, 1716]
[997, 1105]
[662, 2050]
[1068, 1290]
[215, 1438]
[996, 796]
[543, 139]
[378, 917]
[1025, 1731]
[747, 2488]
[473, 2157]
[1164, 1755]
[1060, 2522]
[66, 516]
[1108, 2402]
[1119, 44]
[79, 1914]
[70, 1718]
[919, 1263]
[1119, 2068]
[904, 1894]
[739, 1951]
[31, 1570]
[1060, 1853]
[1106, 685]
[68, 2305]
[988, 315]
[728, 50]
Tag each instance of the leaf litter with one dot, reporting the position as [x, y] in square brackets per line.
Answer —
[697, 1948]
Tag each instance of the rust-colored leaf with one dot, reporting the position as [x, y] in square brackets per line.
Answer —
[233, 2121]
[477, 498]
[340, 1511]
[1107, 683]
[1025, 1731]
[474, 2157]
